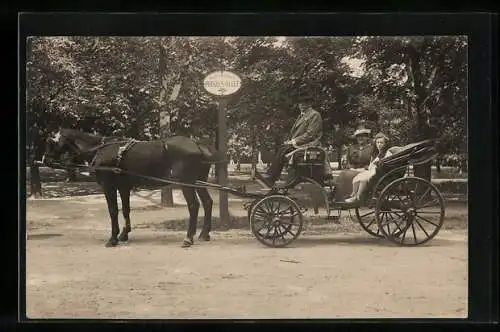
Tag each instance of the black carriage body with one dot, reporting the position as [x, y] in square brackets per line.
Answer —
[310, 163]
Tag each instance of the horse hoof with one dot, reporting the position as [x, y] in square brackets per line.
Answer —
[187, 243]
[111, 243]
[123, 237]
[204, 237]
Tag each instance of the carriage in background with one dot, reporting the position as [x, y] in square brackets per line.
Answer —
[398, 206]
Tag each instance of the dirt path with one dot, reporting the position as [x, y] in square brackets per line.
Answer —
[325, 273]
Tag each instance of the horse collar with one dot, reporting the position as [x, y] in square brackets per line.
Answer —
[123, 149]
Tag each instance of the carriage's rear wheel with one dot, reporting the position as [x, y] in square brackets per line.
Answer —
[416, 211]
[276, 220]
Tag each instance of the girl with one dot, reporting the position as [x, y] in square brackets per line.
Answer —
[380, 150]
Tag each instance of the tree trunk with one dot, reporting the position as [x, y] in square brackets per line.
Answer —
[216, 170]
[167, 198]
[462, 164]
[422, 121]
[35, 181]
[255, 156]
[36, 152]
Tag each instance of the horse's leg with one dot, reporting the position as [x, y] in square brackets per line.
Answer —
[111, 199]
[207, 202]
[125, 196]
[193, 207]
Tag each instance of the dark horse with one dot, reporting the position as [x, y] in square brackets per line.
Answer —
[176, 157]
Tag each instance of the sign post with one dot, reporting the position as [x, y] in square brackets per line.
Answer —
[221, 84]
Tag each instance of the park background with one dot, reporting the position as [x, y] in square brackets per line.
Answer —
[408, 87]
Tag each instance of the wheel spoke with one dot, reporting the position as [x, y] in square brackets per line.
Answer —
[288, 209]
[259, 210]
[423, 195]
[399, 215]
[429, 204]
[280, 233]
[430, 222]
[404, 235]
[278, 207]
[268, 231]
[421, 227]
[274, 235]
[367, 214]
[264, 225]
[372, 221]
[398, 225]
[430, 212]
[392, 218]
[414, 234]
[269, 207]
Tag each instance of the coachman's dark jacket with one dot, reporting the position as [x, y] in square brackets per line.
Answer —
[308, 129]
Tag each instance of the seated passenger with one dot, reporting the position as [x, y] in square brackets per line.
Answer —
[380, 151]
[358, 154]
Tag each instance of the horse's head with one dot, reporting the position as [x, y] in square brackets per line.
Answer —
[67, 144]
[56, 146]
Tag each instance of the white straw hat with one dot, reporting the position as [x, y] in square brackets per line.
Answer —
[363, 131]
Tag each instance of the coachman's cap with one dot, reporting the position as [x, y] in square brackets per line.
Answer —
[305, 98]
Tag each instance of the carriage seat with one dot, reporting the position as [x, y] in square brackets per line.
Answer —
[307, 156]
[309, 162]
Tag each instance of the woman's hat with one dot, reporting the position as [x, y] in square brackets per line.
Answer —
[362, 131]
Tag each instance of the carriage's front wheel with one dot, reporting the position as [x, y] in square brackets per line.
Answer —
[410, 211]
[276, 220]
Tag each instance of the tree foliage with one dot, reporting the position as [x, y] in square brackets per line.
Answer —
[409, 87]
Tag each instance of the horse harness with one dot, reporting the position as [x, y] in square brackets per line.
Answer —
[122, 150]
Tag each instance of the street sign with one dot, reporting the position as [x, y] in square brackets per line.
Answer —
[222, 83]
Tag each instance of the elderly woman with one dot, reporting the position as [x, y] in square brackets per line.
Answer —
[360, 181]
[358, 159]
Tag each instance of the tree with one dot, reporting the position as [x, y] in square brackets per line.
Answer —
[418, 77]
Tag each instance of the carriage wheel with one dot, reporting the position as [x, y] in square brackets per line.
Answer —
[276, 220]
[416, 211]
[368, 221]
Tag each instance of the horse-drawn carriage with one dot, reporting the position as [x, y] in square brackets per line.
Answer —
[398, 206]
[396, 202]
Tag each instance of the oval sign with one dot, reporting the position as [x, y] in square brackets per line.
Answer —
[222, 83]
